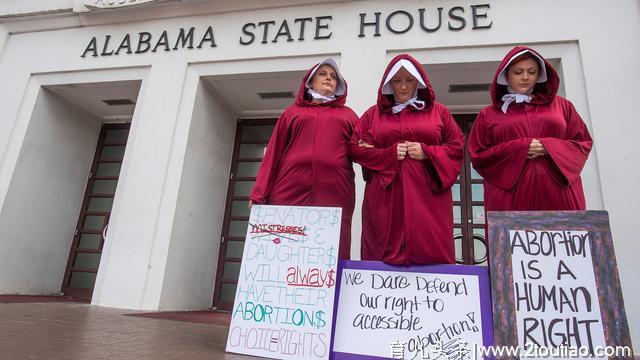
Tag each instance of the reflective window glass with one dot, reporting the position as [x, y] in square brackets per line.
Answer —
[82, 280]
[257, 132]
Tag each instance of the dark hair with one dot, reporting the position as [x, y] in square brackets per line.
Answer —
[521, 57]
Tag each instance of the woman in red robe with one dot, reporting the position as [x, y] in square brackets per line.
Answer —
[530, 145]
[411, 151]
[306, 162]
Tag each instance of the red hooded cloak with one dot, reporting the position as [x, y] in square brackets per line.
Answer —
[407, 213]
[499, 143]
[306, 162]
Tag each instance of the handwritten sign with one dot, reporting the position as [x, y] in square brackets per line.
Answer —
[284, 300]
[411, 312]
[554, 276]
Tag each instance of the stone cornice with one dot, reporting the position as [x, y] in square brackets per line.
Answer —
[82, 6]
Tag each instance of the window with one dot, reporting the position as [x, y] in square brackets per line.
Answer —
[468, 207]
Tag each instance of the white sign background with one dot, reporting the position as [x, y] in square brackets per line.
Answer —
[284, 300]
[458, 319]
[530, 262]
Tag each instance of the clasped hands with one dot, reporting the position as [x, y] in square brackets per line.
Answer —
[412, 149]
[536, 148]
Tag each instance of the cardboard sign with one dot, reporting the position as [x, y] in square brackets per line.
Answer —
[416, 312]
[555, 286]
[284, 300]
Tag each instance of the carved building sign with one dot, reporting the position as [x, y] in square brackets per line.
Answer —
[372, 24]
[93, 5]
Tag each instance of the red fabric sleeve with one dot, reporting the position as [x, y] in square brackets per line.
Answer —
[500, 164]
[570, 154]
[382, 161]
[443, 161]
[271, 161]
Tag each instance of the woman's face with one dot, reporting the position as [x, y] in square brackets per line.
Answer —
[404, 85]
[522, 76]
[325, 80]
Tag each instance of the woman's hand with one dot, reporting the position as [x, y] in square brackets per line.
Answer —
[401, 150]
[414, 149]
[365, 145]
[250, 203]
[536, 149]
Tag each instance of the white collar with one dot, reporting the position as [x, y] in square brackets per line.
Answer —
[316, 95]
[413, 102]
[513, 96]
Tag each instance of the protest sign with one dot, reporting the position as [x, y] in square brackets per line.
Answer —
[555, 286]
[411, 312]
[284, 300]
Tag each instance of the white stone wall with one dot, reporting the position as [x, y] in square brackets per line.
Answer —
[197, 224]
[39, 215]
[26, 7]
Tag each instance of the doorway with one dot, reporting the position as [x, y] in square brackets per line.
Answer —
[93, 221]
[251, 140]
[469, 231]
[250, 145]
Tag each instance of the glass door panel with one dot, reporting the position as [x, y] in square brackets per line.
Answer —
[250, 145]
[468, 207]
[88, 241]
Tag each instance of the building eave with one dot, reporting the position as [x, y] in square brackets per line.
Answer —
[76, 16]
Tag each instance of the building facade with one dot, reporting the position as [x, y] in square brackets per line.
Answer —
[131, 130]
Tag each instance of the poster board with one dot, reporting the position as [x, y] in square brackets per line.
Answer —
[285, 296]
[555, 285]
[416, 312]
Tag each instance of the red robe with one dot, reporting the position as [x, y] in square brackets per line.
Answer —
[306, 162]
[407, 214]
[499, 143]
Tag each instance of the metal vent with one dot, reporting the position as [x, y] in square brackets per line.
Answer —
[116, 102]
[478, 87]
[266, 95]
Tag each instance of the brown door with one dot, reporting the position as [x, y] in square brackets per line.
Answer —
[468, 207]
[251, 140]
[250, 144]
[88, 240]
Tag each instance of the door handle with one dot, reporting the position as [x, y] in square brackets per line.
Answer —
[104, 232]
